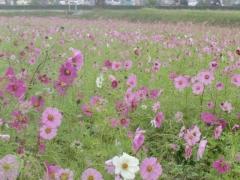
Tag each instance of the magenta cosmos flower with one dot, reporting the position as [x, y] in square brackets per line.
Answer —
[208, 118]
[9, 167]
[47, 133]
[150, 169]
[37, 101]
[221, 166]
[158, 120]
[91, 174]
[181, 82]
[77, 59]
[51, 117]
[16, 88]
[138, 139]
[67, 73]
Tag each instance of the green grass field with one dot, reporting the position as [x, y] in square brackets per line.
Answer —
[212, 17]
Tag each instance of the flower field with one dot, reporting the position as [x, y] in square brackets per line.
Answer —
[112, 99]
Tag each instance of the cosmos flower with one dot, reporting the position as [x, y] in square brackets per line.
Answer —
[51, 117]
[16, 88]
[226, 106]
[181, 82]
[150, 169]
[208, 118]
[236, 80]
[126, 166]
[206, 77]
[158, 120]
[67, 73]
[91, 174]
[138, 139]
[221, 166]
[192, 135]
[201, 148]
[198, 88]
[132, 81]
[64, 174]
[9, 167]
[77, 59]
[37, 102]
[47, 133]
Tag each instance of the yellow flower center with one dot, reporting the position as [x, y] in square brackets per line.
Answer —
[6, 167]
[125, 166]
[149, 168]
[90, 178]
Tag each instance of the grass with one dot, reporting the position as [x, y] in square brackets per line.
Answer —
[212, 17]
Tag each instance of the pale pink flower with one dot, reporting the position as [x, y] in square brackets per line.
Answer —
[201, 149]
[206, 77]
[156, 106]
[226, 106]
[217, 132]
[132, 81]
[188, 152]
[47, 133]
[181, 82]
[51, 117]
[150, 169]
[198, 88]
[192, 136]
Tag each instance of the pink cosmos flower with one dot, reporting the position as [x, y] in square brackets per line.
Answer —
[44, 79]
[51, 117]
[198, 88]
[61, 87]
[188, 152]
[10, 73]
[156, 66]
[138, 140]
[156, 106]
[154, 94]
[206, 77]
[220, 86]
[9, 167]
[208, 118]
[236, 80]
[87, 110]
[109, 166]
[91, 174]
[51, 172]
[226, 107]
[116, 66]
[47, 133]
[108, 64]
[37, 102]
[192, 135]
[114, 84]
[64, 174]
[158, 120]
[127, 64]
[221, 166]
[217, 132]
[132, 81]
[201, 149]
[19, 121]
[210, 105]
[150, 169]
[67, 73]
[181, 82]
[16, 88]
[122, 108]
[124, 122]
[77, 59]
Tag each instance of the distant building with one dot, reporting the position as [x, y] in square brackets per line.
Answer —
[23, 2]
[2, 2]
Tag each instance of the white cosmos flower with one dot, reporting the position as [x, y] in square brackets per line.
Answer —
[99, 81]
[126, 166]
